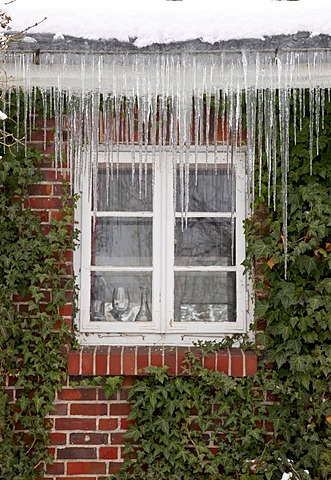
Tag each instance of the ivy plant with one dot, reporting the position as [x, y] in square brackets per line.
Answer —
[34, 283]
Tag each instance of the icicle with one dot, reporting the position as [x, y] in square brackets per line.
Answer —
[317, 116]
[207, 125]
[216, 120]
[260, 135]
[238, 120]
[322, 108]
[311, 128]
[294, 96]
[44, 103]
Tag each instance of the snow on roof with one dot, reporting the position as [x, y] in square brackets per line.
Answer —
[166, 21]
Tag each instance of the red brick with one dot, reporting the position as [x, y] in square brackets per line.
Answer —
[77, 452]
[88, 409]
[43, 215]
[119, 409]
[170, 360]
[108, 424]
[210, 362]
[181, 355]
[58, 438]
[54, 176]
[87, 362]
[79, 478]
[108, 453]
[89, 438]
[125, 423]
[101, 361]
[74, 468]
[236, 362]
[61, 410]
[69, 255]
[251, 363]
[59, 189]
[124, 392]
[156, 356]
[117, 439]
[39, 122]
[129, 361]
[223, 361]
[66, 311]
[51, 451]
[115, 361]
[128, 381]
[43, 203]
[74, 363]
[75, 424]
[142, 358]
[40, 189]
[78, 394]
[39, 135]
[49, 150]
[55, 469]
[114, 467]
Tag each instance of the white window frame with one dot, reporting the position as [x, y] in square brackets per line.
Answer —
[162, 330]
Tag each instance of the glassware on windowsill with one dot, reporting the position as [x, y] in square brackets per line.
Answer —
[97, 311]
[144, 314]
[120, 302]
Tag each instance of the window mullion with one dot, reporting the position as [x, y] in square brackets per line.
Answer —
[169, 233]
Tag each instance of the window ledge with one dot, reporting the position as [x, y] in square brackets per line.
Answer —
[89, 361]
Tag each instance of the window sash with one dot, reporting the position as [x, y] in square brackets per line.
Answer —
[163, 283]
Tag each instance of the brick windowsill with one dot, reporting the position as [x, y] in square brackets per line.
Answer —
[99, 360]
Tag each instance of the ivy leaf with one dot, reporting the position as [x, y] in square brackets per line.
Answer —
[261, 249]
[299, 363]
[307, 263]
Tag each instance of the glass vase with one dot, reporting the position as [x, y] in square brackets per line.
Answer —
[144, 314]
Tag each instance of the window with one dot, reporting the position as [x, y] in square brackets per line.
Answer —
[161, 251]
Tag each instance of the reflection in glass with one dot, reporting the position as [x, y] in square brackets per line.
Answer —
[127, 300]
[205, 241]
[210, 192]
[122, 193]
[205, 297]
[123, 241]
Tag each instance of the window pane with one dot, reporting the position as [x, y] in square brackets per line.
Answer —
[117, 296]
[124, 192]
[122, 242]
[205, 297]
[210, 192]
[205, 241]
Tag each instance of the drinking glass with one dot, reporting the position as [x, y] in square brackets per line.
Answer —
[121, 302]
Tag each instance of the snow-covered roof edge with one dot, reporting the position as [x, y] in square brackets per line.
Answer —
[145, 23]
[65, 43]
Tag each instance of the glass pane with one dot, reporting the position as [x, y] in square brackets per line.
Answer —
[124, 192]
[122, 242]
[205, 297]
[205, 241]
[117, 297]
[210, 193]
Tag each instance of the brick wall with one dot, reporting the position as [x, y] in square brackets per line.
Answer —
[87, 435]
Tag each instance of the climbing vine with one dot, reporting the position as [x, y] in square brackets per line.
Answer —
[34, 283]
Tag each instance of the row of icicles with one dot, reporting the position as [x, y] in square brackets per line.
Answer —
[259, 122]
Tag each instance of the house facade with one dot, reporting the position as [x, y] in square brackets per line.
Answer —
[165, 147]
